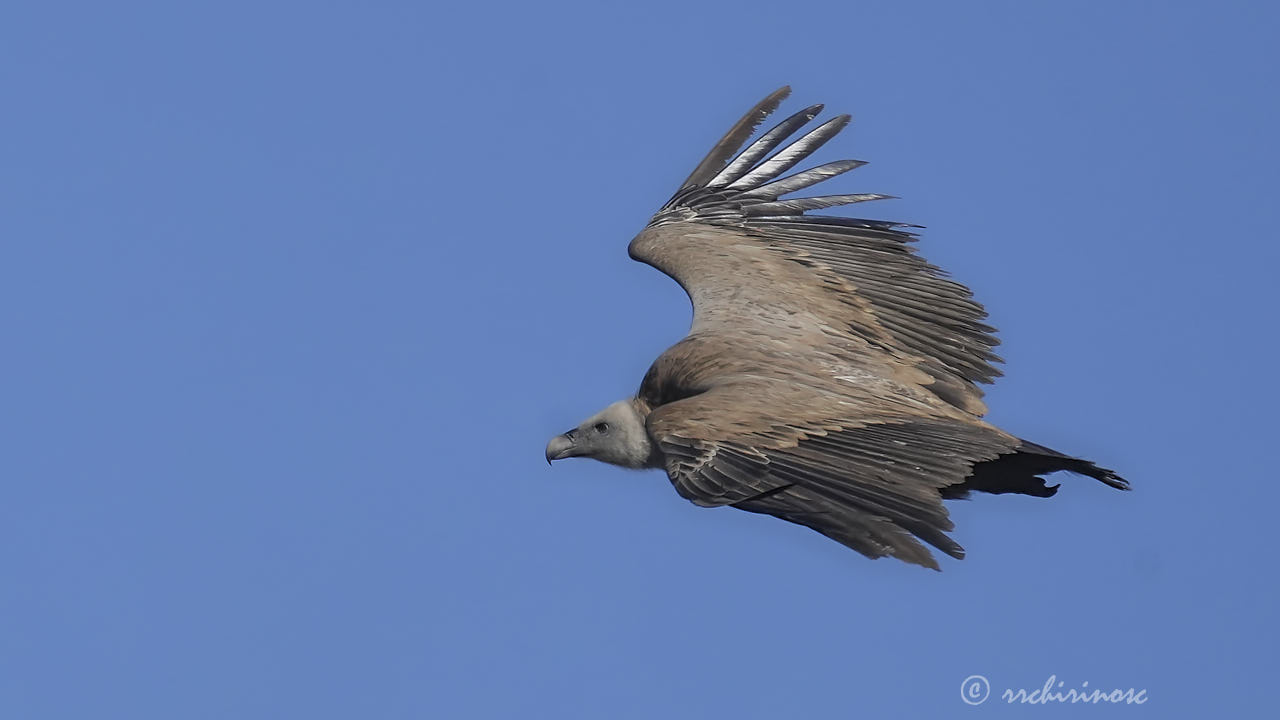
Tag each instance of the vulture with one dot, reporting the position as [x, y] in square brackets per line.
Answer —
[831, 376]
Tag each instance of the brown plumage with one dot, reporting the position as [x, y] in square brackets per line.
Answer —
[831, 375]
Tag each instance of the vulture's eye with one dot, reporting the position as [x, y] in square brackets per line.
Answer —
[602, 428]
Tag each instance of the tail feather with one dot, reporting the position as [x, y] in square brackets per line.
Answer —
[1019, 472]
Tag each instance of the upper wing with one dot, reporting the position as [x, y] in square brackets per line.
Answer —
[830, 376]
[735, 245]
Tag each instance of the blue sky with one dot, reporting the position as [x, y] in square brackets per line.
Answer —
[293, 297]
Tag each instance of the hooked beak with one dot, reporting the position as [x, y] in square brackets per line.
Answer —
[561, 446]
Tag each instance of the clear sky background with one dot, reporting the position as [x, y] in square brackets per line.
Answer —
[293, 294]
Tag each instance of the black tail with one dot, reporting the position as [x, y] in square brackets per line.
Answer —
[1020, 471]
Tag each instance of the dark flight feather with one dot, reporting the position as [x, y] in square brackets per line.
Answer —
[791, 155]
[767, 143]
[733, 140]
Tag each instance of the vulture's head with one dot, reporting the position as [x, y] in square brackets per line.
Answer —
[615, 435]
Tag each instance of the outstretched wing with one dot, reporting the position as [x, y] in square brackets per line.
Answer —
[891, 298]
[829, 378]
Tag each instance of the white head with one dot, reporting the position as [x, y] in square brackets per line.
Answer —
[615, 435]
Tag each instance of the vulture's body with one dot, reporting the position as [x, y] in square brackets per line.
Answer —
[830, 377]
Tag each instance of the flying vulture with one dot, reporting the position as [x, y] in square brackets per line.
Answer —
[831, 375]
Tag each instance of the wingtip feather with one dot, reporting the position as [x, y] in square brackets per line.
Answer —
[733, 140]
